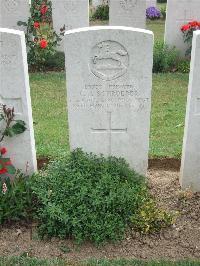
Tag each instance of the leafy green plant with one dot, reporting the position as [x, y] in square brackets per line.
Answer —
[102, 12]
[151, 219]
[88, 197]
[183, 66]
[163, 12]
[41, 39]
[165, 59]
[9, 128]
[16, 200]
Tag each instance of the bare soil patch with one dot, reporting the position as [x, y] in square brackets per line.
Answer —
[178, 242]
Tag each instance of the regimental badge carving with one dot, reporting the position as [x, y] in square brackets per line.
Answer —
[109, 60]
[128, 4]
[11, 5]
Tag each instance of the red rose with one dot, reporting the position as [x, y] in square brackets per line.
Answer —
[3, 150]
[8, 163]
[43, 9]
[36, 25]
[43, 43]
[185, 27]
[3, 171]
[194, 24]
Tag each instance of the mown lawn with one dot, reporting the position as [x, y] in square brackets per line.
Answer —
[167, 121]
[23, 261]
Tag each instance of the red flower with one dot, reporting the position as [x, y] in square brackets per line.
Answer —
[36, 25]
[3, 171]
[43, 43]
[194, 24]
[8, 163]
[185, 27]
[44, 9]
[3, 150]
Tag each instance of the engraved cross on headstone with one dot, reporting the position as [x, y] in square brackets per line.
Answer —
[109, 131]
[186, 18]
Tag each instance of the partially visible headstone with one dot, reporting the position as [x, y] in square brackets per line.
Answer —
[130, 13]
[190, 168]
[12, 11]
[109, 80]
[70, 14]
[96, 3]
[179, 13]
[150, 3]
[15, 92]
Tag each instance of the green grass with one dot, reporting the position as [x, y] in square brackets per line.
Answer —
[50, 116]
[158, 28]
[168, 114]
[49, 113]
[23, 261]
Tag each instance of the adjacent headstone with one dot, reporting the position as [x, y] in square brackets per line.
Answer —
[178, 14]
[15, 92]
[150, 3]
[130, 13]
[12, 11]
[96, 3]
[109, 79]
[190, 168]
[70, 14]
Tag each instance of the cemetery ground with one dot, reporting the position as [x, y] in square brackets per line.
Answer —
[50, 122]
[178, 242]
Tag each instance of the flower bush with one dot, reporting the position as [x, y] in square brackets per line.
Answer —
[153, 13]
[9, 128]
[41, 38]
[187, 30]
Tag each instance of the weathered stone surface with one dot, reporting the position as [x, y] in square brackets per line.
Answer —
[131, 13]
[15, 92]
[150, 3]
[190, 167]
[109, 80]
[12, 11]
[178, 14]
[70, 14]
[96, 3]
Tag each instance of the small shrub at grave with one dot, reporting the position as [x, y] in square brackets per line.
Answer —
[41, 39]
[165, 59]
[101, 13]
[183, 66]
[16, 201]
[187, 31]
[14, 196]
[161, 1]
[153, 13]
[87, 197]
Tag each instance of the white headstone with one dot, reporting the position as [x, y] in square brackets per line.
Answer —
[109, 80]
[150, 3]
[131, 13]
[71, 14]
[12, 11]
[190, 168]
[96, 3]
[15, 92]
[178, 14]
